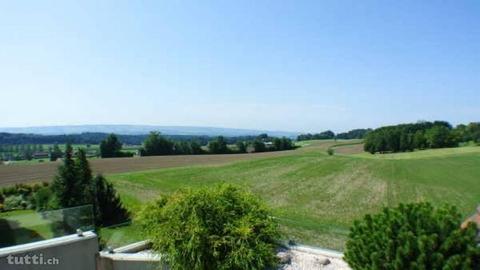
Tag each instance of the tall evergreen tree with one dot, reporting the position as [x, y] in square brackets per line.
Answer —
[74, 185]
[65, 182]
[107, 204]
[84, 178]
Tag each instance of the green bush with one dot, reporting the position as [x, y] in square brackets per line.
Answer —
[14, 202]
[21, 196]
[212, 228]
[44, 199]
[413, 236]
[330, 151]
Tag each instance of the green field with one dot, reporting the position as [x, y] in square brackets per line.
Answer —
[316, 197]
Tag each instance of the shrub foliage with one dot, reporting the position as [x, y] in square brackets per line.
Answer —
[212, 228]
[412, 236]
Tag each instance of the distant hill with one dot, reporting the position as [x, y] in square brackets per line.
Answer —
[144, 129]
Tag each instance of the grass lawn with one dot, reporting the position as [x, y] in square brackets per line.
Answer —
[316, 197]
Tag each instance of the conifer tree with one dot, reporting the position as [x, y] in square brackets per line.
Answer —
[108, 206]
[413, 236]
[84, 178]
[65, 182]
[74, 185]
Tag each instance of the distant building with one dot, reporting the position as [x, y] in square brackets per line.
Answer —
[39, 155]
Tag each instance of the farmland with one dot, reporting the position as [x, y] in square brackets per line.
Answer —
[316, 197]
[27, 172]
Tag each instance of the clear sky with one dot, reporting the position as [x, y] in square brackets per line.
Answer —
[283, 65]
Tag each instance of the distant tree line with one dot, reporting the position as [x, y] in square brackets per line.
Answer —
[353, 134]
[153, 144]
[30, 151]
[19, 152]
[262, 143]
[421, 135]
[328, 135]
[96, 138]
[156, 144]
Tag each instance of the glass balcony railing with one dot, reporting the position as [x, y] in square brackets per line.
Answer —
[119, 235]
[25, 226]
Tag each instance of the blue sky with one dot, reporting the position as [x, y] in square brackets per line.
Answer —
[283, 65]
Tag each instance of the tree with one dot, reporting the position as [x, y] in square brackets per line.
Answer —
[155, 144]
[56, 153]
[262, 137]
[325, 135]
[181, 148]
[218, 146]
[473, 131]
[283, 143]
[407, 137]
[412, 236]
[222, 227]
[74, 185]
[28, 152]
[419, 141]
[196, 148]
[438, 137]
[277, 143]
[110, 147]
[241, 147]
[84, 178]
[461, 133]
[287, 144]
[108, 207]
[65, 185]
[353, 134]
[258, 146]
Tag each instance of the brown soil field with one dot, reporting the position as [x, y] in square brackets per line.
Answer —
[349, 149]
[27, 173]
[24, 173]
